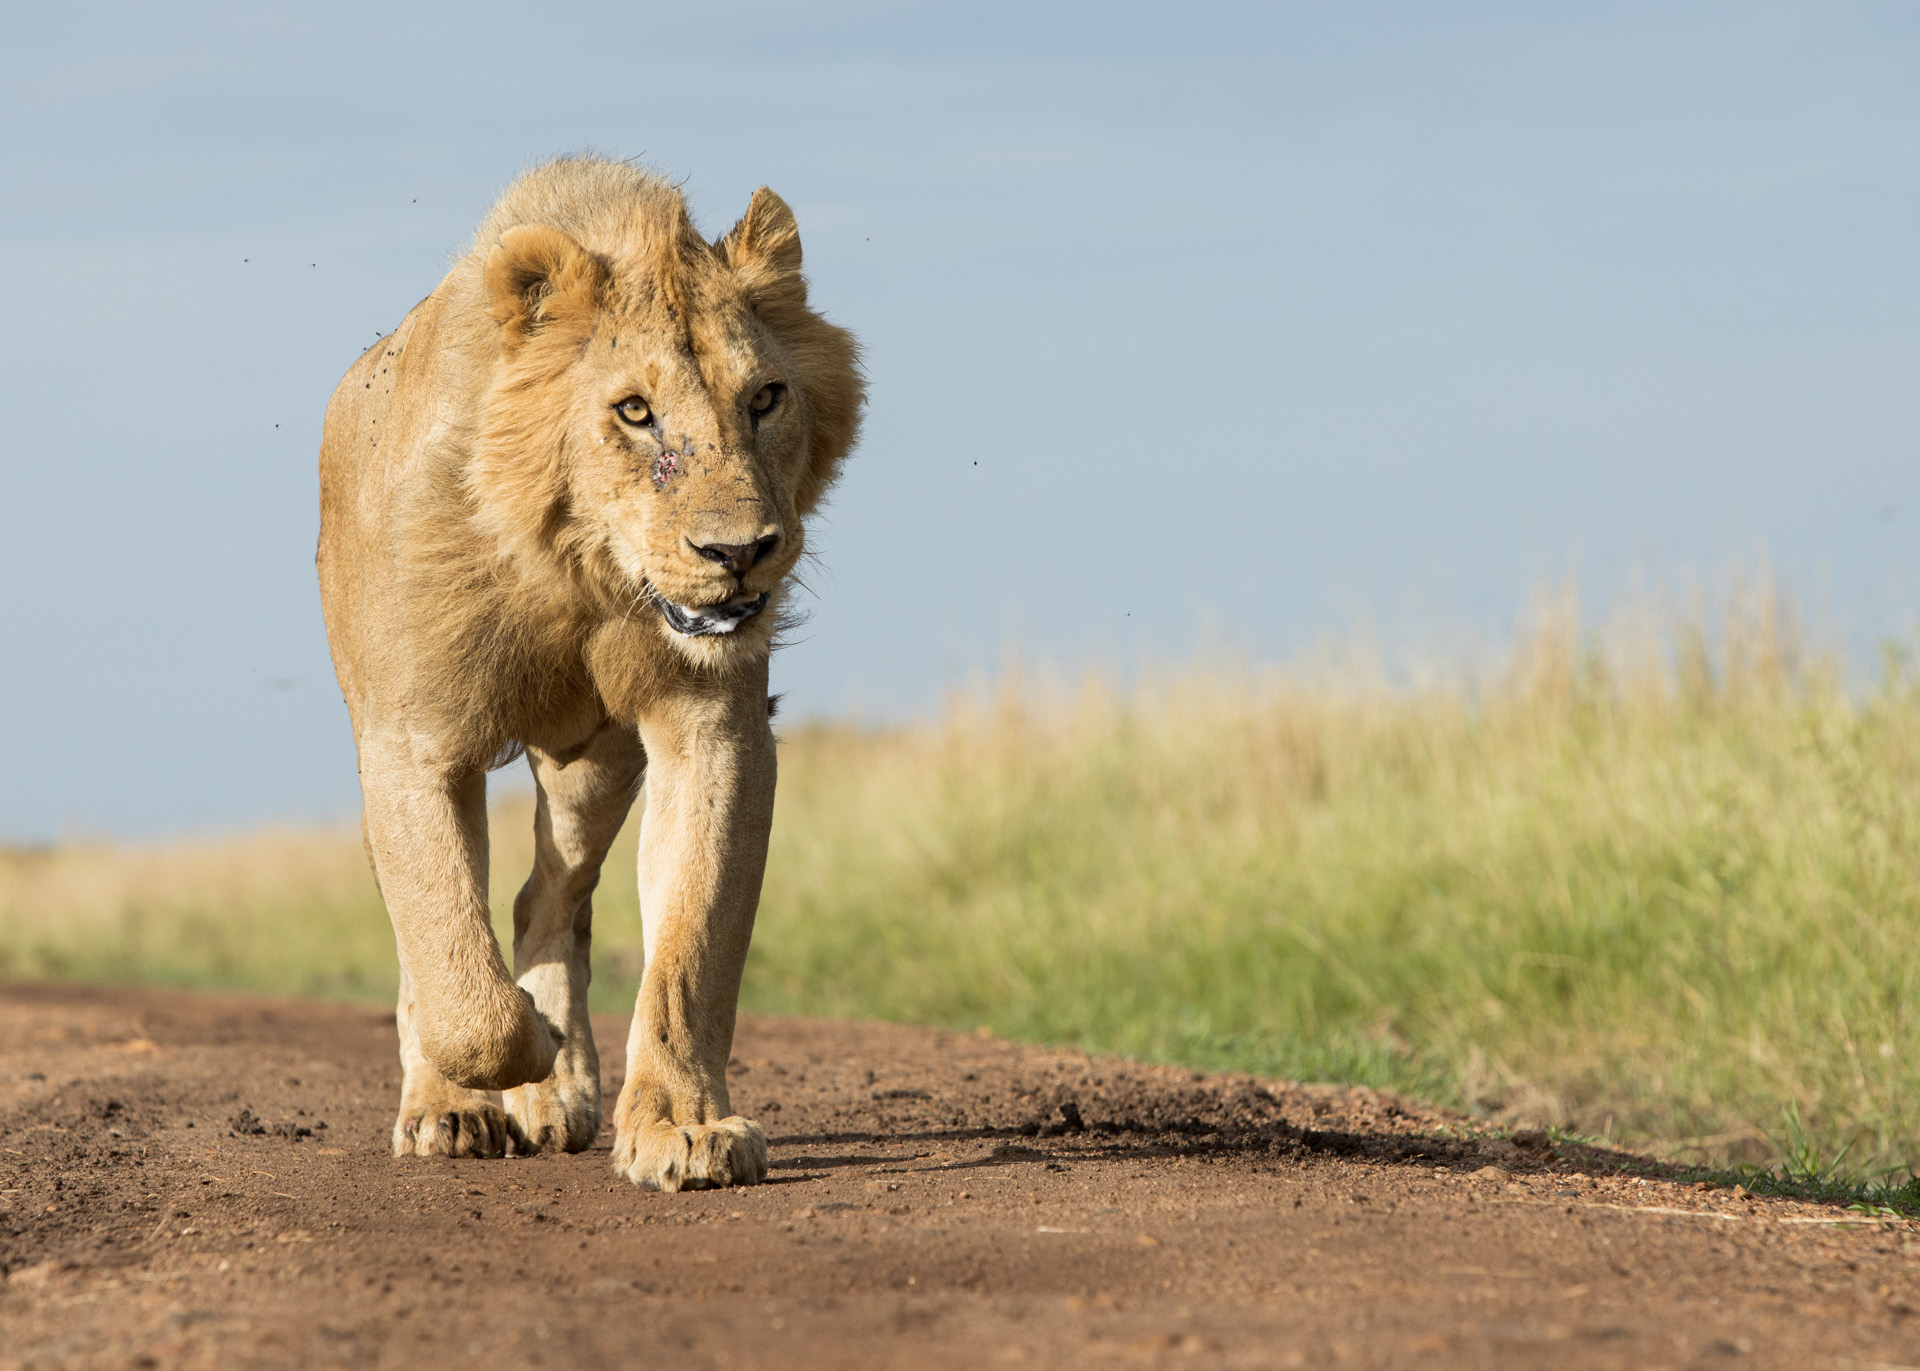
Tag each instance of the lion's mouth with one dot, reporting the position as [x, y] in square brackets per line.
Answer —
[711, 619]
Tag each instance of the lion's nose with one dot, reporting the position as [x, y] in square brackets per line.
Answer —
[738, 557]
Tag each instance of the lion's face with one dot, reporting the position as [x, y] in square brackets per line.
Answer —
[663, 414]
[689, 444]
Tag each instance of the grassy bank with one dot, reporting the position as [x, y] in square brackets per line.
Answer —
[1653, 886]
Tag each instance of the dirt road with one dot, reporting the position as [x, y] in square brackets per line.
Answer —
[936, 1201]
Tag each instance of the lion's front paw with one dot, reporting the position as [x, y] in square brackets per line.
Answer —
[692, 1156]
[475, 1127]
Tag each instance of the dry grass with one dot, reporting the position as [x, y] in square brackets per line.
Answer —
[291, 910]
[1656, 885]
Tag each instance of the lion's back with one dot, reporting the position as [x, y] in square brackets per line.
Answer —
[370, 449]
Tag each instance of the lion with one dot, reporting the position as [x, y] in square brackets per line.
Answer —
[559, 507]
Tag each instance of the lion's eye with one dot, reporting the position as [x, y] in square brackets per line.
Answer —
[766, 397]
[635, 411]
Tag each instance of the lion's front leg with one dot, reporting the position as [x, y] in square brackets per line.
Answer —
[703, 851]
[465, 1027]
[426, 831]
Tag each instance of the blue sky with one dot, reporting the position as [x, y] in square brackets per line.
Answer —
[1256, 322]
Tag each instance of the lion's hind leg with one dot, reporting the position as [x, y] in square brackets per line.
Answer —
[583, 798]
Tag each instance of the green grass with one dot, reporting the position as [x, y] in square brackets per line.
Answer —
[1653, 888]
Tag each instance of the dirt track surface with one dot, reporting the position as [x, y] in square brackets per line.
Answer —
[931, 1205]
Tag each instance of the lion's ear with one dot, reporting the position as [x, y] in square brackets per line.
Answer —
[764, 251]
[538, 274]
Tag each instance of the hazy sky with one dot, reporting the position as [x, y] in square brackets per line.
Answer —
[1272, 317]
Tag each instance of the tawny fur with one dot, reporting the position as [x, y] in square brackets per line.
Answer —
[493, 537]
